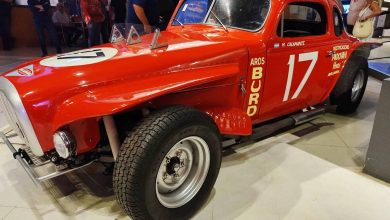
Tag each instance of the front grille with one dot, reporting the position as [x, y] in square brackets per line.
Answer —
[11, 117]
[17, 116]
[13, 121]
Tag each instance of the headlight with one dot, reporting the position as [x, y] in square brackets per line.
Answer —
[64, 144]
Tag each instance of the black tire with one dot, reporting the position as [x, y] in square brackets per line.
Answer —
[342, 94]
[144, 150]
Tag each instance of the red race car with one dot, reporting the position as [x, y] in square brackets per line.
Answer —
[164, 102]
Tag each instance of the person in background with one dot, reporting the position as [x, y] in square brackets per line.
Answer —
[61, 20]
[106, 24]
[119, 8]
[42, 21]
[72, 7]
[5, 24]
[356, 6]
[93, 16]
[143, 12]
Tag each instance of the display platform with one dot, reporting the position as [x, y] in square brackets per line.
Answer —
[380, 70]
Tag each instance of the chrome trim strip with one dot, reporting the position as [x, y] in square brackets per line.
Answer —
[12, 95]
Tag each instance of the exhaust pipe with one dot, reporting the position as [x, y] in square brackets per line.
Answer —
[307, 116]
[294, 120]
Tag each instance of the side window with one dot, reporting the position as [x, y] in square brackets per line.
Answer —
[302, 19]
[338, 22]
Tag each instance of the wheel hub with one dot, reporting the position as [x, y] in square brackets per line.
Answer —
[182, 172]
[174, 169]
[173, 165]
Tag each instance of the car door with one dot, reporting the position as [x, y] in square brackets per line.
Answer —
[299, 59]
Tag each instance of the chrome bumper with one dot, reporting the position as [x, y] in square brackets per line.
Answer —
[34, 176]
[29, 170]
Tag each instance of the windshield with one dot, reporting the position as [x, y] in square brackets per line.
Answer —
[242, 14]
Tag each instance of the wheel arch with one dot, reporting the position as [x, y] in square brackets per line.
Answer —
[364, 50]
[126, 96]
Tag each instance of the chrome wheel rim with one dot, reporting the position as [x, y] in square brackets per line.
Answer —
[182, 172]
[357, 85]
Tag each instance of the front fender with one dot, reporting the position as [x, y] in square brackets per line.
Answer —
[120, 96]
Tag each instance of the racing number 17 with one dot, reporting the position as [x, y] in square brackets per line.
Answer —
[313, 57]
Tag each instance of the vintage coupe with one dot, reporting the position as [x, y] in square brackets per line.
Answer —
[164, 102]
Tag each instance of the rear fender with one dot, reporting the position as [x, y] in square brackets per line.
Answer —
[363, 50]
[121, 96]
[360, 53]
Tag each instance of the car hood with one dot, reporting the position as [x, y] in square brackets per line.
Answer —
[110, 63]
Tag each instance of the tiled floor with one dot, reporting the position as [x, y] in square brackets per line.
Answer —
[346, 142]
[317, 176]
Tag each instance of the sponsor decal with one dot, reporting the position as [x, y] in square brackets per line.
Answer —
[338, 59]
[341, 47]
[334, 73]
[340, 56]
[24, 71]
[296, 44]
[336, 65]
[257, 61]
[290, 44]
[257, 65]
[81, 57]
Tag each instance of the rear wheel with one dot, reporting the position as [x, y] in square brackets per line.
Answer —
[351, 86]
[168, 164]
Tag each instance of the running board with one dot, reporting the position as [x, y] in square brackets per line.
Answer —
[294, 120]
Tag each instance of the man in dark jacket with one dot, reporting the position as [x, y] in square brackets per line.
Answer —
[145, 12]
[119, 8]
[5, 24]
[42, 21]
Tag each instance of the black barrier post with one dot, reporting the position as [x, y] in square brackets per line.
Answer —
[378, 154]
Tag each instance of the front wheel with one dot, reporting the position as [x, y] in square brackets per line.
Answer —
[168, 165]
[351, 86]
